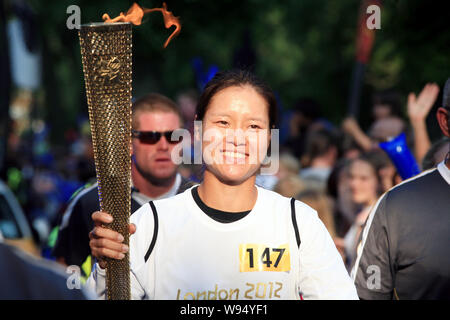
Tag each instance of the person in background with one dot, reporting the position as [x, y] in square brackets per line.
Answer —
[287, 165]
[386, 171]
[386, 113]
[381, 130]
[305, 115]
[386, 104]
[384, 129]
[339, 191]
[154, 176]
[289, 186]
[319, 159]
[403, 251]
[365, 187]
[418, 109]
[187, 100]
[348, 148]
[322, 204]
[388, 122]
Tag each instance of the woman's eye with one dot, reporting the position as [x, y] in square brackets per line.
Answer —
[254, 126]
[222, 122]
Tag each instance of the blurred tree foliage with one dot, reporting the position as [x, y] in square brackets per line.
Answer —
[302, 48]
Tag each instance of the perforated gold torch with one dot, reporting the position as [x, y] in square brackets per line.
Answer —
[106, 50]
[106, 55]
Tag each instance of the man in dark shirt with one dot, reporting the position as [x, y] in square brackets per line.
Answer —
[404, 248]
[154, 176]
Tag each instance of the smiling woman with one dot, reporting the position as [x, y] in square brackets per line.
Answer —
[231, 118]
[227, 238]
[237, 111]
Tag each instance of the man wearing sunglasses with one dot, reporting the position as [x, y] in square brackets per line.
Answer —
[154, 176]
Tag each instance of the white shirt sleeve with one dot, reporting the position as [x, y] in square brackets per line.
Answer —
[322, 271]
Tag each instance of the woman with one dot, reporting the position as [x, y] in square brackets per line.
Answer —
[227, 238]
[366, 187]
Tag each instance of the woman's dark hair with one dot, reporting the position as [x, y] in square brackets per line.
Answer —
[333, 178]
[377, 159]
[318, 143]
[236, 77]
[392, 99]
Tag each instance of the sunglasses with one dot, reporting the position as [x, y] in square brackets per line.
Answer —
[152, 137]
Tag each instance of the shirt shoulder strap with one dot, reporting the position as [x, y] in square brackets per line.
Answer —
[155, 231]
[294, 222]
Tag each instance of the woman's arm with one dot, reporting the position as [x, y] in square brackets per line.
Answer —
[350, 126]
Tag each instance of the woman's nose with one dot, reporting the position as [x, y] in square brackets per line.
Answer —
[235, 137]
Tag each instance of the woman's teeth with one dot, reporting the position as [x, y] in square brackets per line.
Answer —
[234, 154]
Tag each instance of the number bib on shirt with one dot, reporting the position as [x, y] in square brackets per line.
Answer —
[259, 257]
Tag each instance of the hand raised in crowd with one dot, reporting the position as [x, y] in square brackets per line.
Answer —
[350, 125]
[418, 109]
[420, 106]
[106, 243]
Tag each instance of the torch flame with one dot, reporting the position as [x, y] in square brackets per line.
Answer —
[136, 13]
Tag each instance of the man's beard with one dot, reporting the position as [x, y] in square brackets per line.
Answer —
[156, 181]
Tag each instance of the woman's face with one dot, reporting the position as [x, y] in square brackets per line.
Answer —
[363, 182]
[381, 111]
[235, 134]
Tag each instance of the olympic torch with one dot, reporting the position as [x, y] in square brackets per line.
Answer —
[106, 51]
[106, 55]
